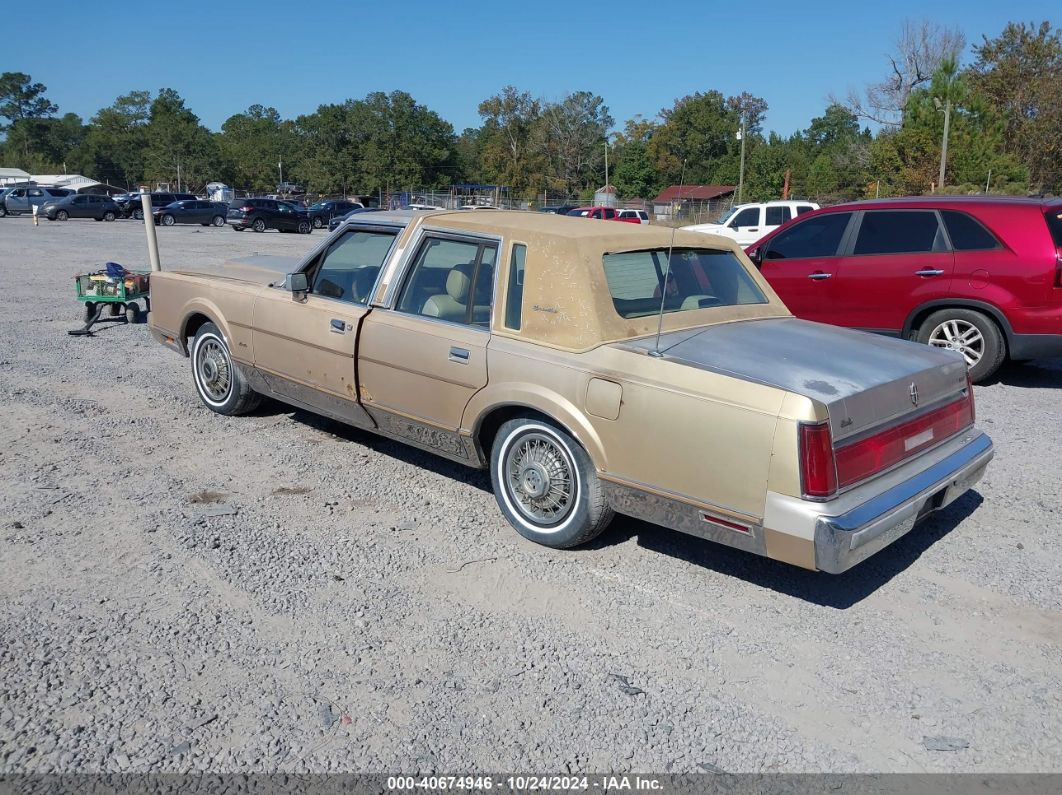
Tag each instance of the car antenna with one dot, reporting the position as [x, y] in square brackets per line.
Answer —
[667, 272]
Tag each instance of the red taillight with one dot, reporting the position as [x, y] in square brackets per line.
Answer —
[818, 471]
[246, 209]
[861, 459]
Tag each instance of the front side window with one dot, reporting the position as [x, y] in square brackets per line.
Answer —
[776, 216]
[899, 232]
[348, 268]
[697, 279]
[816, 237]
[966, 233]
[451, 280]
[750, 216]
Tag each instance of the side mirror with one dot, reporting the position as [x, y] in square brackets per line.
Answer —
[298, 285]
[756, 257]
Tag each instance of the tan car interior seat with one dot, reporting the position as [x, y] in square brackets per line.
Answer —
[453, 304]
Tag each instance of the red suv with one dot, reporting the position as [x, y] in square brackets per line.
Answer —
[982, 276]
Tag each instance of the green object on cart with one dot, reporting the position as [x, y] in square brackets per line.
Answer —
[98, 287]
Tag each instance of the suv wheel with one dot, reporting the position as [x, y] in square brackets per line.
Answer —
[317, 222]
[62, 215]
[304, 227]
[259, 225]
[3, 211]
[109, 216]
[546, 485]
[168, 220]
[971, 333]
[219, 220]
[138, 213]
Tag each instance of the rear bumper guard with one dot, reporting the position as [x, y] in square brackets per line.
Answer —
[845, 540]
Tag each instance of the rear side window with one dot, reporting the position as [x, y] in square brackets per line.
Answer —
[811, 238]
[776, 216]
[1054, 223]
[514, 298]
[697, 279]
[804, 208]
[899, 232]
[967, 233]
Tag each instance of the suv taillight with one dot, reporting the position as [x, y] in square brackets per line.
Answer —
[818, 470]
[246, 208]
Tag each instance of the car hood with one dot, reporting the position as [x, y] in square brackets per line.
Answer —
[257, 269]
[862, 379]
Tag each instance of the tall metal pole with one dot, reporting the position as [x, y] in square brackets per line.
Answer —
[944, 145]
[149, 225]
[606, 162]
[741, 171]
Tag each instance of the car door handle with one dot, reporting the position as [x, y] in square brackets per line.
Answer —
[929, 272]
[819, 276]
[754, 229]
[339, 326]
[459, 355]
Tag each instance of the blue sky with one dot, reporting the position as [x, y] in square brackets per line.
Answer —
[640, 56]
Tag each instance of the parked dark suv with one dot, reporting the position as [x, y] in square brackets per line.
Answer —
[191, 211]
[977, 275]
[263, 214]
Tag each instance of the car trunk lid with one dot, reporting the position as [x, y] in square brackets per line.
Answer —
[865, 381]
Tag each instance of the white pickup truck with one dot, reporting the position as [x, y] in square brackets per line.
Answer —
[747, 223]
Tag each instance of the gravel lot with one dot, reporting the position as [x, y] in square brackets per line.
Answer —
[184, 591]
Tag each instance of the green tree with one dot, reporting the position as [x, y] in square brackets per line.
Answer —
[571, 135]
[180, 150]
[1018, 74]
[253, 143]
[116, 138]
[510, 154]
[24, 105]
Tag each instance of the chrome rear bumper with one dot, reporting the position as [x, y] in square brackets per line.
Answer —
[847, 539]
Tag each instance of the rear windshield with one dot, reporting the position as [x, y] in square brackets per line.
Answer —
[1054, 223]
[697, 279]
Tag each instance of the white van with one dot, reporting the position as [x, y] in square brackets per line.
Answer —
[747, 223]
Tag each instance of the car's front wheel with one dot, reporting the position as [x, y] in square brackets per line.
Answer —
[546, 485]
[969, 332]
[218, 380]
[168, 220]
[62, 215]
[304, 227]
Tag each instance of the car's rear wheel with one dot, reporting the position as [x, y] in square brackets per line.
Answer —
[546, 485]
[109, 216]
[969, 332]
[138, 214]
[259, 225]
[317, 222]
[3, 211]
[304, 227]
[218, 380]
[168, 220]
[218, 220]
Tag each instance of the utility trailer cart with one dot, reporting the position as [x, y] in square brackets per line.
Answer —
[118, 294]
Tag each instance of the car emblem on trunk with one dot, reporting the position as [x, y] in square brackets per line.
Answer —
[913, 392]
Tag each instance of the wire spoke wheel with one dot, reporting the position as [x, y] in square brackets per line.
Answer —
[539, 475]
[214, 370]
[961, 336]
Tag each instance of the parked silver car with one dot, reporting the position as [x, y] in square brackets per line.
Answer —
[15, 201]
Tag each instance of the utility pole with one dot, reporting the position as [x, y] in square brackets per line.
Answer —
[944, 145]
[606, 162]
[741, 171]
